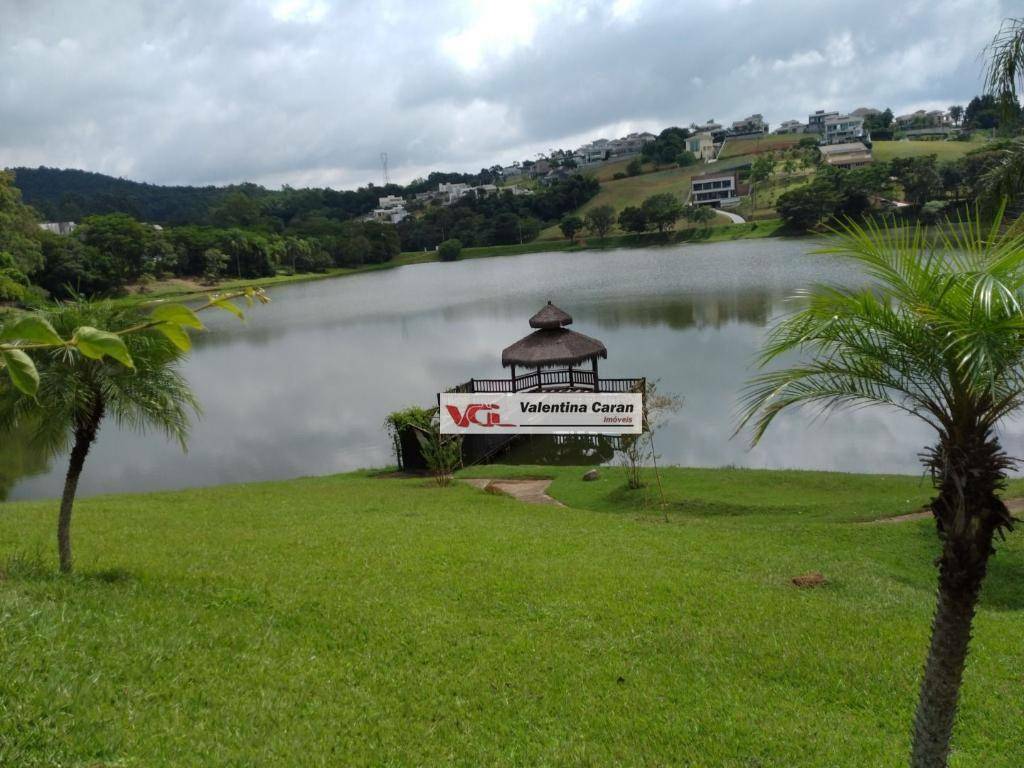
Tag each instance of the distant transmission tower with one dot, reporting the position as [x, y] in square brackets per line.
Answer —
[384, 165]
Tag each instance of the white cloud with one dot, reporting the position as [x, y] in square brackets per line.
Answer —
[311, 91]
[309, 11]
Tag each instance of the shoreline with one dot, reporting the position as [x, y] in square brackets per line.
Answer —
[754, 230]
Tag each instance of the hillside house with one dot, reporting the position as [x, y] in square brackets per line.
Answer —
[451, 192]
[715, 189]
[58, 227]
[936, 118]
[851, 155]
[816, 122]
[750, 124]
[702, 145]
[790, 126]
[842, 130]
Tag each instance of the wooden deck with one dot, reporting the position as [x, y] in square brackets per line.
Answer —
[555, 380]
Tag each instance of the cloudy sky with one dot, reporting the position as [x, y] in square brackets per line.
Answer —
[310, 92]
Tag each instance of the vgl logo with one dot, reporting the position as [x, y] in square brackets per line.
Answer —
[477, 414]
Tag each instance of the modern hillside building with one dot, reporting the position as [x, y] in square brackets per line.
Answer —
[816, 122]
[715, 189]
[790, 126]
[750, 124]
[842, 130]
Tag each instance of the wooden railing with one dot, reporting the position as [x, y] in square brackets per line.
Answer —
[554, 379]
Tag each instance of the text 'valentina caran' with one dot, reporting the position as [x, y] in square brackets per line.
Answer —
[564, 407]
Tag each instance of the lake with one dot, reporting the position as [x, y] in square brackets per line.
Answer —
[303, 387]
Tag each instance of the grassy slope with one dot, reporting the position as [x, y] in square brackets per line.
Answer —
[945, 150]
[754, 145]
[352, 620]
[620, 193]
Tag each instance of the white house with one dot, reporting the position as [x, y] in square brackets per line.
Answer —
[58, 227]
[702, 145]
[816, 122]
[390, 201]
[750, 124]
[790, 126]
[842, 130]
[449, 193]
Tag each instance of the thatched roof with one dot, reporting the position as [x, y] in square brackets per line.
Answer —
[552, 346]
[550, 316]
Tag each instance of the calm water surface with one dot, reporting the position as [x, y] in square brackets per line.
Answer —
[304, 386]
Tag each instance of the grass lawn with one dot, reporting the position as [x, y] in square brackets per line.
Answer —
[357, 620]
[756, 144]
[945, 150]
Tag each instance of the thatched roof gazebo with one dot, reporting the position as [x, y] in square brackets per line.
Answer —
[553, 345]
[552, 356]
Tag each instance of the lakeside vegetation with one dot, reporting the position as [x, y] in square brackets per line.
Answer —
[456, 626]
[187, 289]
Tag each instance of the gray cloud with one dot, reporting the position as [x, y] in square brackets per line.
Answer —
[310, 92]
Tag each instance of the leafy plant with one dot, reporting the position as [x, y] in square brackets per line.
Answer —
[65, 373]
[398, 421]
[443, 453]
[637, 451]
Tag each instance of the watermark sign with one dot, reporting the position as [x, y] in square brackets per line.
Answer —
[542, 413]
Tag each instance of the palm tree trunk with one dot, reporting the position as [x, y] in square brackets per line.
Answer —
[961, 572]
[968, 470]
[85, 434]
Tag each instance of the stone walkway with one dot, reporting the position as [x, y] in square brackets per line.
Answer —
[530, 491]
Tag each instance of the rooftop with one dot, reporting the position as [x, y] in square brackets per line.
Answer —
[853, 147]
[552, 344]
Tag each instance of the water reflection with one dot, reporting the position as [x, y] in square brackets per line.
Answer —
[19, 458]
[303, 388]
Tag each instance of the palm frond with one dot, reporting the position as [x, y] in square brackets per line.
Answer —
[940, 335]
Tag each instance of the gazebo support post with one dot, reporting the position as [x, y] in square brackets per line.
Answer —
[570, 375]
[514, 379]
[540, 384]
[597, 381]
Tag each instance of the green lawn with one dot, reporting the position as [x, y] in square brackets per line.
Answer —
[757, 144]
[945, 150]
[357, 620]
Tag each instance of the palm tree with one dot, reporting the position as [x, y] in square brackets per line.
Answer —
[1003, 75]
[76, 393]
[940, 337]
[1005, 69]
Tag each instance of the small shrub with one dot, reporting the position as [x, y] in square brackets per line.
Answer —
[450, 249]
[443, 453]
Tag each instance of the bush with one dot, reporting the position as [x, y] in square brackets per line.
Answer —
[450, 249]
[398, 421]
[619, 175]
[685, 158]
[633, 219]
[635, 167]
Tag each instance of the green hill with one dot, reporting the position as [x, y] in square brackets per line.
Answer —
[633, 190]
